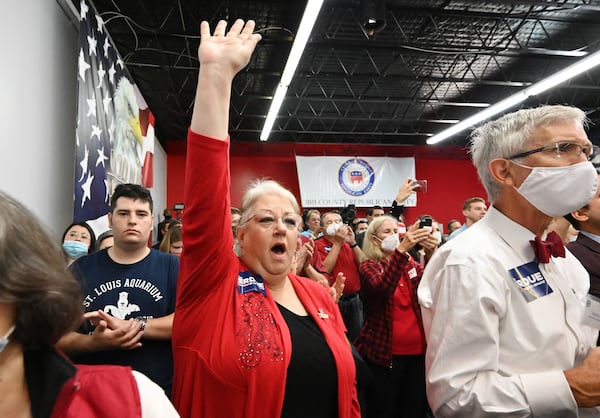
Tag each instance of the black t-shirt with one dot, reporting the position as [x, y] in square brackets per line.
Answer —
[311, 384]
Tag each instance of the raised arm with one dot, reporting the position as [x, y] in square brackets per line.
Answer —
[222, 55]
[207, 220]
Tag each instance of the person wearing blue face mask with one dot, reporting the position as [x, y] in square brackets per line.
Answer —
[40, 301]
[78, 240]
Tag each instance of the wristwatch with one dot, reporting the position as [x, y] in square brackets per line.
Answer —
[143, 321]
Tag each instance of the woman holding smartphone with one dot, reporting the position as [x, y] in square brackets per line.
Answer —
[392, 341]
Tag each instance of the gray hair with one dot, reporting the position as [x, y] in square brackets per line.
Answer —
[510, 135]
[257, 189]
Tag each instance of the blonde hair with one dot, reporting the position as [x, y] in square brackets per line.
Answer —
[371, 250]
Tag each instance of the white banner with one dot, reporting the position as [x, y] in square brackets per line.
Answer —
[329, 182]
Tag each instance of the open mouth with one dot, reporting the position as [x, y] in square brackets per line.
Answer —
[278, 249]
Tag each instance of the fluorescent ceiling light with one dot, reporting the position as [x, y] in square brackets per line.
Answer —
[313, 7]
[557, 78]
[273, 110]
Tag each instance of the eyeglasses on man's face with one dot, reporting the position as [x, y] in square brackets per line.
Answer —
[563, 149]
[267, 220]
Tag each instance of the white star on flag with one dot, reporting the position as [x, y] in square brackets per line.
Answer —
[106, 102]
[83, 65]
[101, 74]
[86, 187]
[84, 162]
[91, 106]
[92, 45]
[84, 10]
[101, 157]
[111, 74]
[100, 23]
[106, 187]
[96, 131]
[106, 46]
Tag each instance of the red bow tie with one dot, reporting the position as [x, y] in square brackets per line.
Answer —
[553, 246]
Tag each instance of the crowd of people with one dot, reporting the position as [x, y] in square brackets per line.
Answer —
[265, 314]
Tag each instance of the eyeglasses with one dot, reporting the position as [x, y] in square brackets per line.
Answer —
[82, 235]
[564, 149]
[268, 220]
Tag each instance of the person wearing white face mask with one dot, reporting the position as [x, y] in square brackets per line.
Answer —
[392, 340]
[504, 312]
[341, 253]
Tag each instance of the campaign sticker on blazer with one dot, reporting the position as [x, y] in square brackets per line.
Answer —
[249, 282]
[530, 281]
[591, 314]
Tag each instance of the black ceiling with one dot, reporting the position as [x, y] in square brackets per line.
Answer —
[435, 62]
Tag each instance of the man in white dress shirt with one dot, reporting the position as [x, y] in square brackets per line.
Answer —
[504, 324]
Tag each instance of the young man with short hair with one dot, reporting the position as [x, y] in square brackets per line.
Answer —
[129, 295]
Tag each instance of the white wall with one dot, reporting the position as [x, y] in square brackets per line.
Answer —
[38, 112]
[38, 85]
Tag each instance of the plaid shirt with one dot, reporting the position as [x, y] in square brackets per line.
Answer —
[378, 284]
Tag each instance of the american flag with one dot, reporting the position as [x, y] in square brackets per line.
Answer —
[115, 129]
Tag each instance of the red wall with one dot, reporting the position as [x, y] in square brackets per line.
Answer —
[451, 177]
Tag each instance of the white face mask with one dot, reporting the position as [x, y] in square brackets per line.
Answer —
[390, 243]
[557, 191]
[438, 236]
[332, 229]
[4, 340]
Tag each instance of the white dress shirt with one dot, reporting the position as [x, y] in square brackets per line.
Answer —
[493, 349]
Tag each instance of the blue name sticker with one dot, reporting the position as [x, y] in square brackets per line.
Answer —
[530, 281]
[249, 282]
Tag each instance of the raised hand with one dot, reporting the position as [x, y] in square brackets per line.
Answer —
[222, 55]
[406, 190]
[414, 235]
[231, 51]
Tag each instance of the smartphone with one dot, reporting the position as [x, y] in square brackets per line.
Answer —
[426, 222]
[420, 186]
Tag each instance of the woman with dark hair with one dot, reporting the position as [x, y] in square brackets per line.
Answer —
[39, 302]
[105, 240]
[78, 240]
